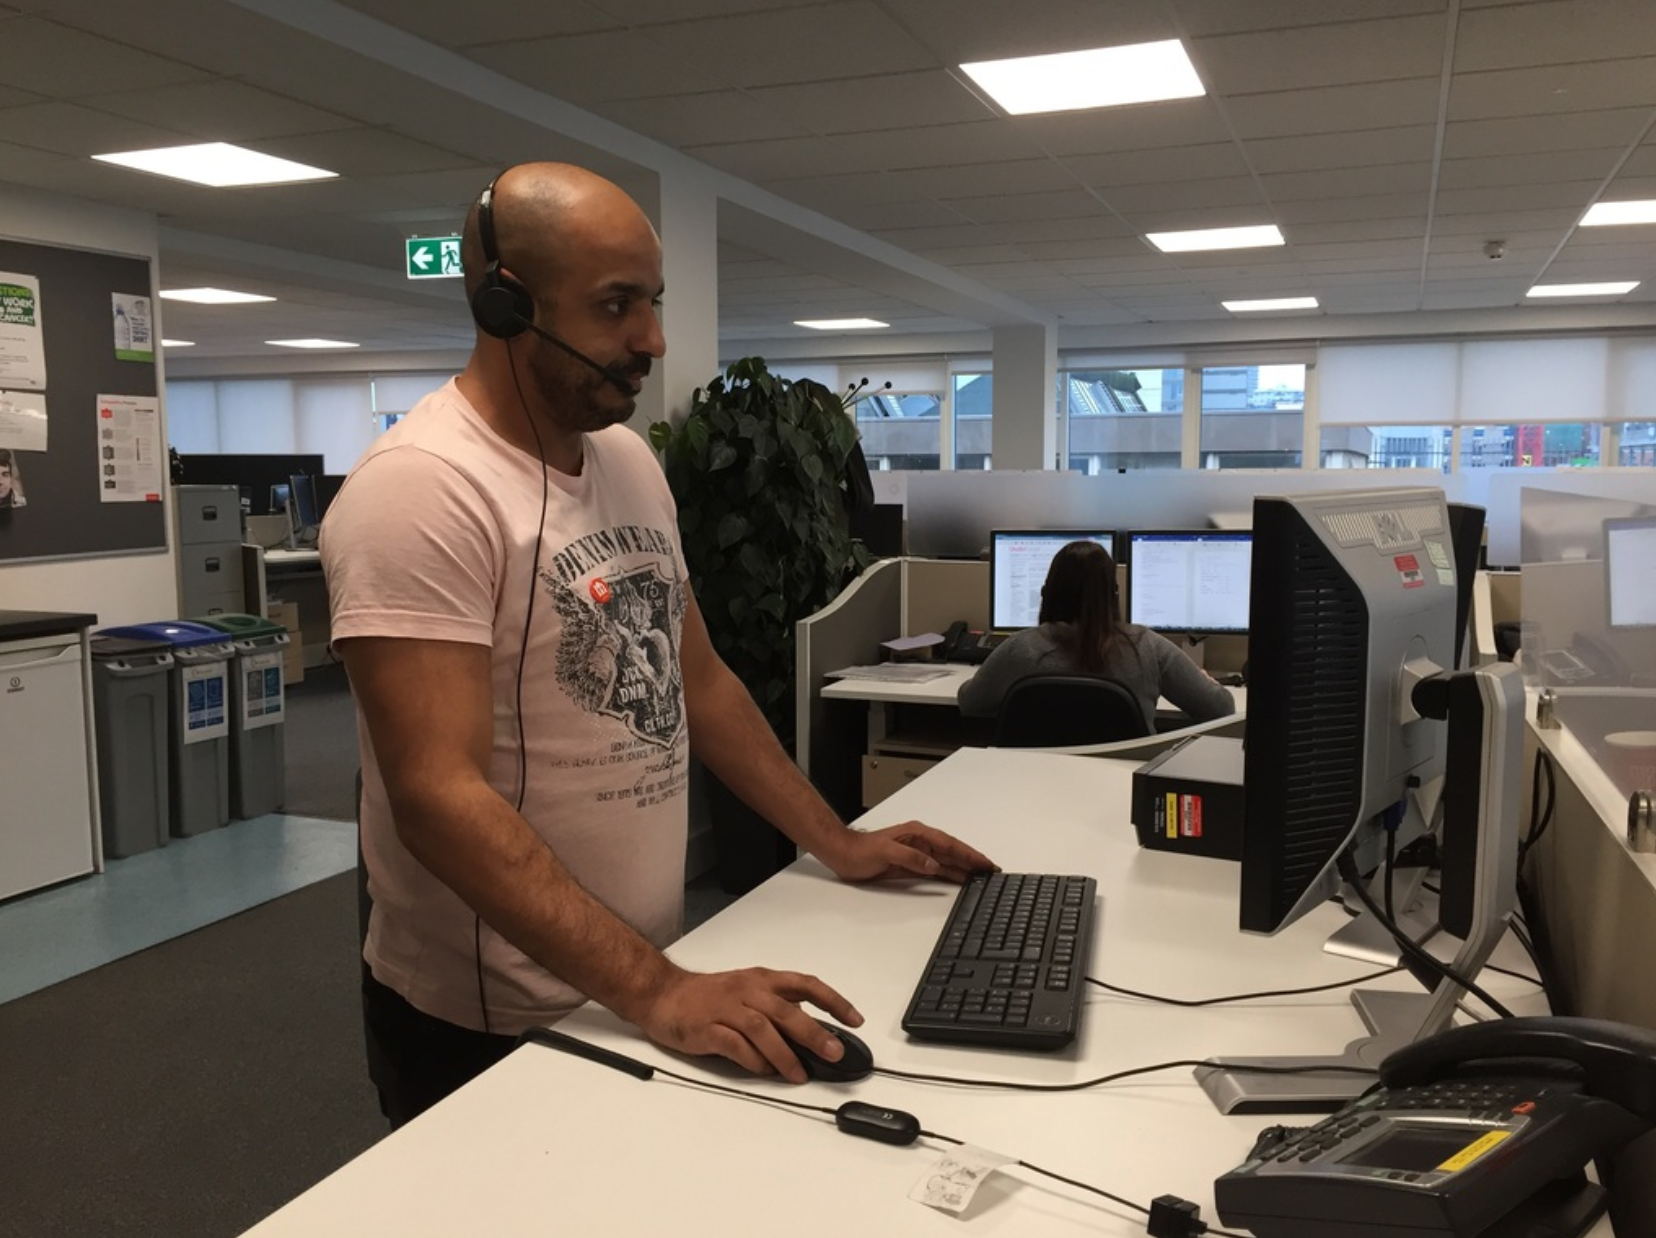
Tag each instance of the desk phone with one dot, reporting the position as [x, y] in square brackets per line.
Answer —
[1480, 1132]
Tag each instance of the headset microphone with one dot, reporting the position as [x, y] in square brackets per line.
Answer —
[615, 377]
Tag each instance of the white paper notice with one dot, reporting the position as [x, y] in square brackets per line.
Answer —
[22, 354]
[130, 458]
[262, 701]
[950, 1184]
[23, 420]
[133, 338]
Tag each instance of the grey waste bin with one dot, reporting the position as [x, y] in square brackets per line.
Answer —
[199, 726]
[130, 689]
[258, 756]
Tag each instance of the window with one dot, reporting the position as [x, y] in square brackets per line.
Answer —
[1253, 416]
[1638, 443]
[901, 431]
[1122, 419]
[1561, 444]
[974, 402]
[1387, 447]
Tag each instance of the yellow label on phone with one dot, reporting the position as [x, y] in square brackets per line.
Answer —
[1473, 1151]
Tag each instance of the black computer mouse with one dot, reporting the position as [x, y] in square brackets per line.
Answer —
[857, 1062]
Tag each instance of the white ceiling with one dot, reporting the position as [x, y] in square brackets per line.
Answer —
[1390, 139]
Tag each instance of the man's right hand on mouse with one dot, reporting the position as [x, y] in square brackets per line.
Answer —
[742, 1015]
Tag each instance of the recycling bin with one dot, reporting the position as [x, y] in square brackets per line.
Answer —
[258, 778]
[198, 722]
[130, 693]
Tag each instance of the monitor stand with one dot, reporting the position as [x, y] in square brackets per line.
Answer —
[1490, 806]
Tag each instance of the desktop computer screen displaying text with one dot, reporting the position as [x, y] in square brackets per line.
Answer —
[1189, 580]
[1018, 562]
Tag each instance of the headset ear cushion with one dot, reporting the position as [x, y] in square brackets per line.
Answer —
[501, 306]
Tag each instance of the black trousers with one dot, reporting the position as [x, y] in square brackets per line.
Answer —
[415, 1059]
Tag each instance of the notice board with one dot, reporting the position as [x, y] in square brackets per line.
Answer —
[78, 406]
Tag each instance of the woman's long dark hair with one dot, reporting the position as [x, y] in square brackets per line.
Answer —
[1080, 590]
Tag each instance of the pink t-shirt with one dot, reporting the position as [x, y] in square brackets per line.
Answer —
[432, 537]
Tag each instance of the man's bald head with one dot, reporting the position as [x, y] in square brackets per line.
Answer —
[540, 212]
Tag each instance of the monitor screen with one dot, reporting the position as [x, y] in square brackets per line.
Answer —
[1630, 552]
[1352, 597]
[1018, 562]
[279, 494]
[302, 509]
[1193, 580]
[255, 475]
[327, 486]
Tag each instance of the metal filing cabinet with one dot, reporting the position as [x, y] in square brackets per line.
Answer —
[207, 531]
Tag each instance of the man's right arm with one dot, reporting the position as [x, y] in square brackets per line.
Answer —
[428, 709]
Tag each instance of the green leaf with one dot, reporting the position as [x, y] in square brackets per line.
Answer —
[720, 456]
[732, 529]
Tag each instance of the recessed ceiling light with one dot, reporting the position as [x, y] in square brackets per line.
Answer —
[212, 296]
[1274, 303]
[1604, 214]
[841, 324]
[1583, 290]
[177, 343]
[313, 343]
[1216, 238]
[1098, 77]
[217, 164]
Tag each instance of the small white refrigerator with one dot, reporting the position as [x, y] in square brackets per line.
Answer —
[49, 829]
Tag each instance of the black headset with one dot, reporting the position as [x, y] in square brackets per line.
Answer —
[501, 306]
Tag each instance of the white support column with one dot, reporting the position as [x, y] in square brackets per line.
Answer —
[1190, 445]
[1311, 439]
[686, 214]
[1026, 383]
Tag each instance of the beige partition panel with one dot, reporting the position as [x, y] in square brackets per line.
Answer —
[938, 592]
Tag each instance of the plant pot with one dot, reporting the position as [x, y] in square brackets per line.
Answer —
[747, 848]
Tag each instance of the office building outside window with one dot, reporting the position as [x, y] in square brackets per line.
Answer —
[1253, 416]
[901, 431]
[1560, 444]
[974, 404]
[1122, 419]
[1387, 447]
[1638, 444]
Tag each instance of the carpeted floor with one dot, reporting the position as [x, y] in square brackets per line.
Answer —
[321, 743]
[190, 1090]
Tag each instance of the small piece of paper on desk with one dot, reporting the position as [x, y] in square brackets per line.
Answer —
[950, 1184]
[891, 672]
[908, 644]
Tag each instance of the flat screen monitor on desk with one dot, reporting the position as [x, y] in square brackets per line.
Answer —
[1347, 751]
[1630, 552]
[1192, 580]
[1018, 562]
[304, 516]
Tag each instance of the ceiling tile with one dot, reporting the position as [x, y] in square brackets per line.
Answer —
[1364, 148]
[438, 21]
[582, 68]
[1240, 192]
[939, 238]
[1349, 182]
[779, 159]
[1000, 208]
[220, 110]
[61, 62]
[1298, 58]
[1335, 109]
[793, 45]
[70, 129]
[1573, 131]
[1208, 17]
[962, 31]
[1091, 228]
[1146, 167]
[1529, 197]
[1527, 169]
[10, 97]
[970, 180]
[886, 101]
[1560, 32]
[1149, 127]
[689, 120]
[1340, 210]
[1600, 85]
[912, 214]
[987, 141]
[1069, 254]
[1400, 227]
[366, 152]
[646, 12]
[1490, 224]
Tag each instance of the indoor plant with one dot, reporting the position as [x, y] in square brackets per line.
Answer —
[758, 467]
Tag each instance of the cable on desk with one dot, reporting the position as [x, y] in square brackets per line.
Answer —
[1243, 997]
[1083, 1084]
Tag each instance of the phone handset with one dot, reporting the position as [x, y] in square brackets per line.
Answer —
[1617, 1061]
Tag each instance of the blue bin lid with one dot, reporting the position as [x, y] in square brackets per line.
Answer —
[175, 633]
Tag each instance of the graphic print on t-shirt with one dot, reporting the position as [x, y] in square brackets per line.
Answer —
[618, 653]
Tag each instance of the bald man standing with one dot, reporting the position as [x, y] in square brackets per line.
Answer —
[531, 672]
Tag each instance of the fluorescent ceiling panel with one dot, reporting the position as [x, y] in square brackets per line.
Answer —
[1098, 77]
[313, 343]
[1583, 290]
[1605, 214]
[1272, 303]
[217, 164]
[1252, 237]
[841, 324]
[212, 296]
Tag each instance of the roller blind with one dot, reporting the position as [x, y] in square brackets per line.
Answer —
[1388, 384]
[1505, 381]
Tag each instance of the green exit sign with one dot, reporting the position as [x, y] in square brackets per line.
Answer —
[433, 257]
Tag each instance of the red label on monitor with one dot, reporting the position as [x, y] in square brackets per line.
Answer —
[1190, 816]
[1408, 567]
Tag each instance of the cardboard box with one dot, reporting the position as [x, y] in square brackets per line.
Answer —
[1189, 798]
[284, 613]
[293, 659]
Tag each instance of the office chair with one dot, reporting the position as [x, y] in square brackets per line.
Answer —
[1061, 711]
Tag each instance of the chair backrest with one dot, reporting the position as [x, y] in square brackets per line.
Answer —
[1059, 711]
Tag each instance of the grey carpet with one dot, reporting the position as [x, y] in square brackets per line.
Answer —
[320, 741]
[190, 1090]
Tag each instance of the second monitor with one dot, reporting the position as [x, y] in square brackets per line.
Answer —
[1190, 580]
[1018, 562]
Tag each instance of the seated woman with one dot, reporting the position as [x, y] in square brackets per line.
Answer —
[1080, 632]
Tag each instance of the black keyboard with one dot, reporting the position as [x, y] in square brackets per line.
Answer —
[1008, 969]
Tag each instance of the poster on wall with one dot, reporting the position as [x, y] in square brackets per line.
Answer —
[23, 421]
[130, 457]
[22, 353]
[133, 338]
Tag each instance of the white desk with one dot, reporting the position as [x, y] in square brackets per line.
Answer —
[945, 689]
[548, 1143]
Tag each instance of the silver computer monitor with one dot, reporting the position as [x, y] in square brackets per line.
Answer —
[1018, 563]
